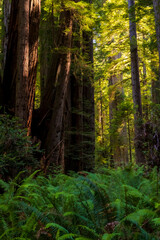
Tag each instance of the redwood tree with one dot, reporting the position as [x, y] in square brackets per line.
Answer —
[54, 137]
[21, 105]
[21, 60]
[136, 92]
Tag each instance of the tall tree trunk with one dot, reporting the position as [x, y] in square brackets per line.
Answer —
[6, 10]
[101, 113]
[118, 135]
[88, 105]
[48, 60]
[10, 68]
[138, 125]
[54, 136]
[21, 60]
[74, 151]
[34, 21]
[74, 156]
[156, 6]
[21, 107]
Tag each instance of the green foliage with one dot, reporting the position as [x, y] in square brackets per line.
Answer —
[109, 204]
[17, 152]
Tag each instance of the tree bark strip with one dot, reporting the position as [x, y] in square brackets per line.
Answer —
[34, 22]
[156, 6]
[6, 10]
[54, 137]
[10, 68]
[88, 105]
[23, 63]
[136, 92]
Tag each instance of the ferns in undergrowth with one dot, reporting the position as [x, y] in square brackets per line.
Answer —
[120, 204]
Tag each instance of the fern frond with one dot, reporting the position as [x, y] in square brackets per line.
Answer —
[156, 221]
[110, 236]
[56, 226]
[91, 232]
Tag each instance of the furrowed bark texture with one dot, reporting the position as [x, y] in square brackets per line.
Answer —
[74, 150]
[80, 154]
[74, 133]
[138, 126]
[34, 22]
[22, 63]
[54, 138]
[10, 68]
[21, 60]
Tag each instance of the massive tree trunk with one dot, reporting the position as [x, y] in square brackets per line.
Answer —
[21, 60]
[74, 134]
[138, 125]
[74, 153]
[22, 63]
[54, 138]
[10, 68]
[156, 86]
[82, 143]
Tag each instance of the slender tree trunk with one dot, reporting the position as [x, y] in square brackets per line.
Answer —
[101, 112]
[6, 10]
[129, 140]
[138, 125]
[156, 5]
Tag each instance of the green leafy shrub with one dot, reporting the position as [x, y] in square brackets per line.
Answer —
[16, 149]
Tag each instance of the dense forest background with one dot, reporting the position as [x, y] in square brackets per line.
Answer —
[79, 95]
[83, 79]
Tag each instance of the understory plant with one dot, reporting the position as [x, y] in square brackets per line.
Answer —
[119, 204]
[17, 152]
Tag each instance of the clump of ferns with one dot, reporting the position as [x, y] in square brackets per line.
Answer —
[138, 225]
[107, 205]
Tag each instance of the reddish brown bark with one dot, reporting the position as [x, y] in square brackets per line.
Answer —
[21, 60]
[22, 63]
[34, 21]
[54, 138]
